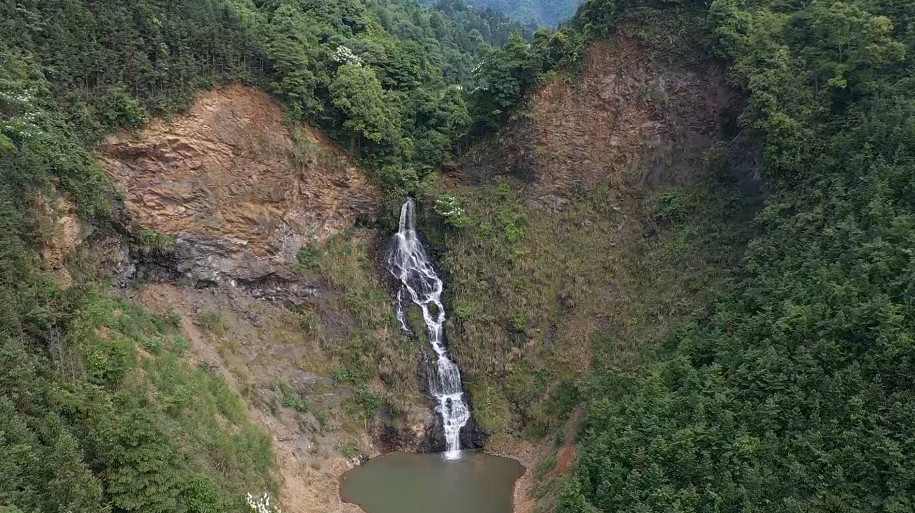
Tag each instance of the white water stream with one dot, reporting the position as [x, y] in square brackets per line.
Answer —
[409, 263]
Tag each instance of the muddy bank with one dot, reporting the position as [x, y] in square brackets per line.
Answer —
[525, 453]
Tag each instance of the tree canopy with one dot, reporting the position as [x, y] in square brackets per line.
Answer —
[541, 12]
[793, 392]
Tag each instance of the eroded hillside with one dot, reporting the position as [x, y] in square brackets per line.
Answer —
[239, 189]
[620, 120]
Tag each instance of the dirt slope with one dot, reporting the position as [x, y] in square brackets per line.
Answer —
[620, 119]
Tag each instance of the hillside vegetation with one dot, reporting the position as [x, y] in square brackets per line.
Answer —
[788, 386]
[721, 363]
[101, 409]
[605, 211]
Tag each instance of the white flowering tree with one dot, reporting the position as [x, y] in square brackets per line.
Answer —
[344, 55]
[261, 504]
[20, 115]
[448, 207]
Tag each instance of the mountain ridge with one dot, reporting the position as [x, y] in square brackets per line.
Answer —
[548, 13]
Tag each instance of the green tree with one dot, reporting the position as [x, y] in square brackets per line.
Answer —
[44, 472]
[292, 46]
[503, 76]
[145, 470]
[357, 92]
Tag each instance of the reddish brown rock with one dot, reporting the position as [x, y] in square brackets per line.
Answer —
[623, 119]
[240, 188]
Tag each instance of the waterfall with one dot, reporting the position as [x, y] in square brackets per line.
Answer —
[409, 263]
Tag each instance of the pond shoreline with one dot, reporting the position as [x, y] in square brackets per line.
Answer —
[523, 452]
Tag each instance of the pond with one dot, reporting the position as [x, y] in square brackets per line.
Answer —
[429, 483]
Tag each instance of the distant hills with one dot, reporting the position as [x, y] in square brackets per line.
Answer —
[543, 12]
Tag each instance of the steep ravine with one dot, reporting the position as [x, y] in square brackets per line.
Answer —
[250, 228]
[602, 213]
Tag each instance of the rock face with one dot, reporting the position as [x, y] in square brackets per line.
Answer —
[236, 190]
[624, 119]
[62, 232]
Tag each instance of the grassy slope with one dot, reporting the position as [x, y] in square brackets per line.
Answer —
[371, 346]
[547, 303]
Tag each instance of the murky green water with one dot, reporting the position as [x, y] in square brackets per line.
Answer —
[427, 483]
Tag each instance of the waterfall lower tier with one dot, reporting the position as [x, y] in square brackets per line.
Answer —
[409, 263]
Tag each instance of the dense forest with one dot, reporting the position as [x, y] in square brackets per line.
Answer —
[542, 12]
[793, 391]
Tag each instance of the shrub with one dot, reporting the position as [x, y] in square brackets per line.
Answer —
[213, 322]
[563, 399]
[368, 400]
[290, 401]
[448, 208]
[545, 466]
[308, 257]
[120, 110]
[351, 449]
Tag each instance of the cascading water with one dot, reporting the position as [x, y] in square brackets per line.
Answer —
[409, 263]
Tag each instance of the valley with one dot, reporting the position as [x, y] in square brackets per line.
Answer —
[309, 256]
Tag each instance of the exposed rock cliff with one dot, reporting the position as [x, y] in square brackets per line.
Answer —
[239, 190]
[621, 118]
[225, 196]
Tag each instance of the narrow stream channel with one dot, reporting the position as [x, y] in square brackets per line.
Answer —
[410, 264]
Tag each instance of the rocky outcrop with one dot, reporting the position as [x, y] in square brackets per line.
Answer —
[62, 232]
[623, 119]
[234, 188]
